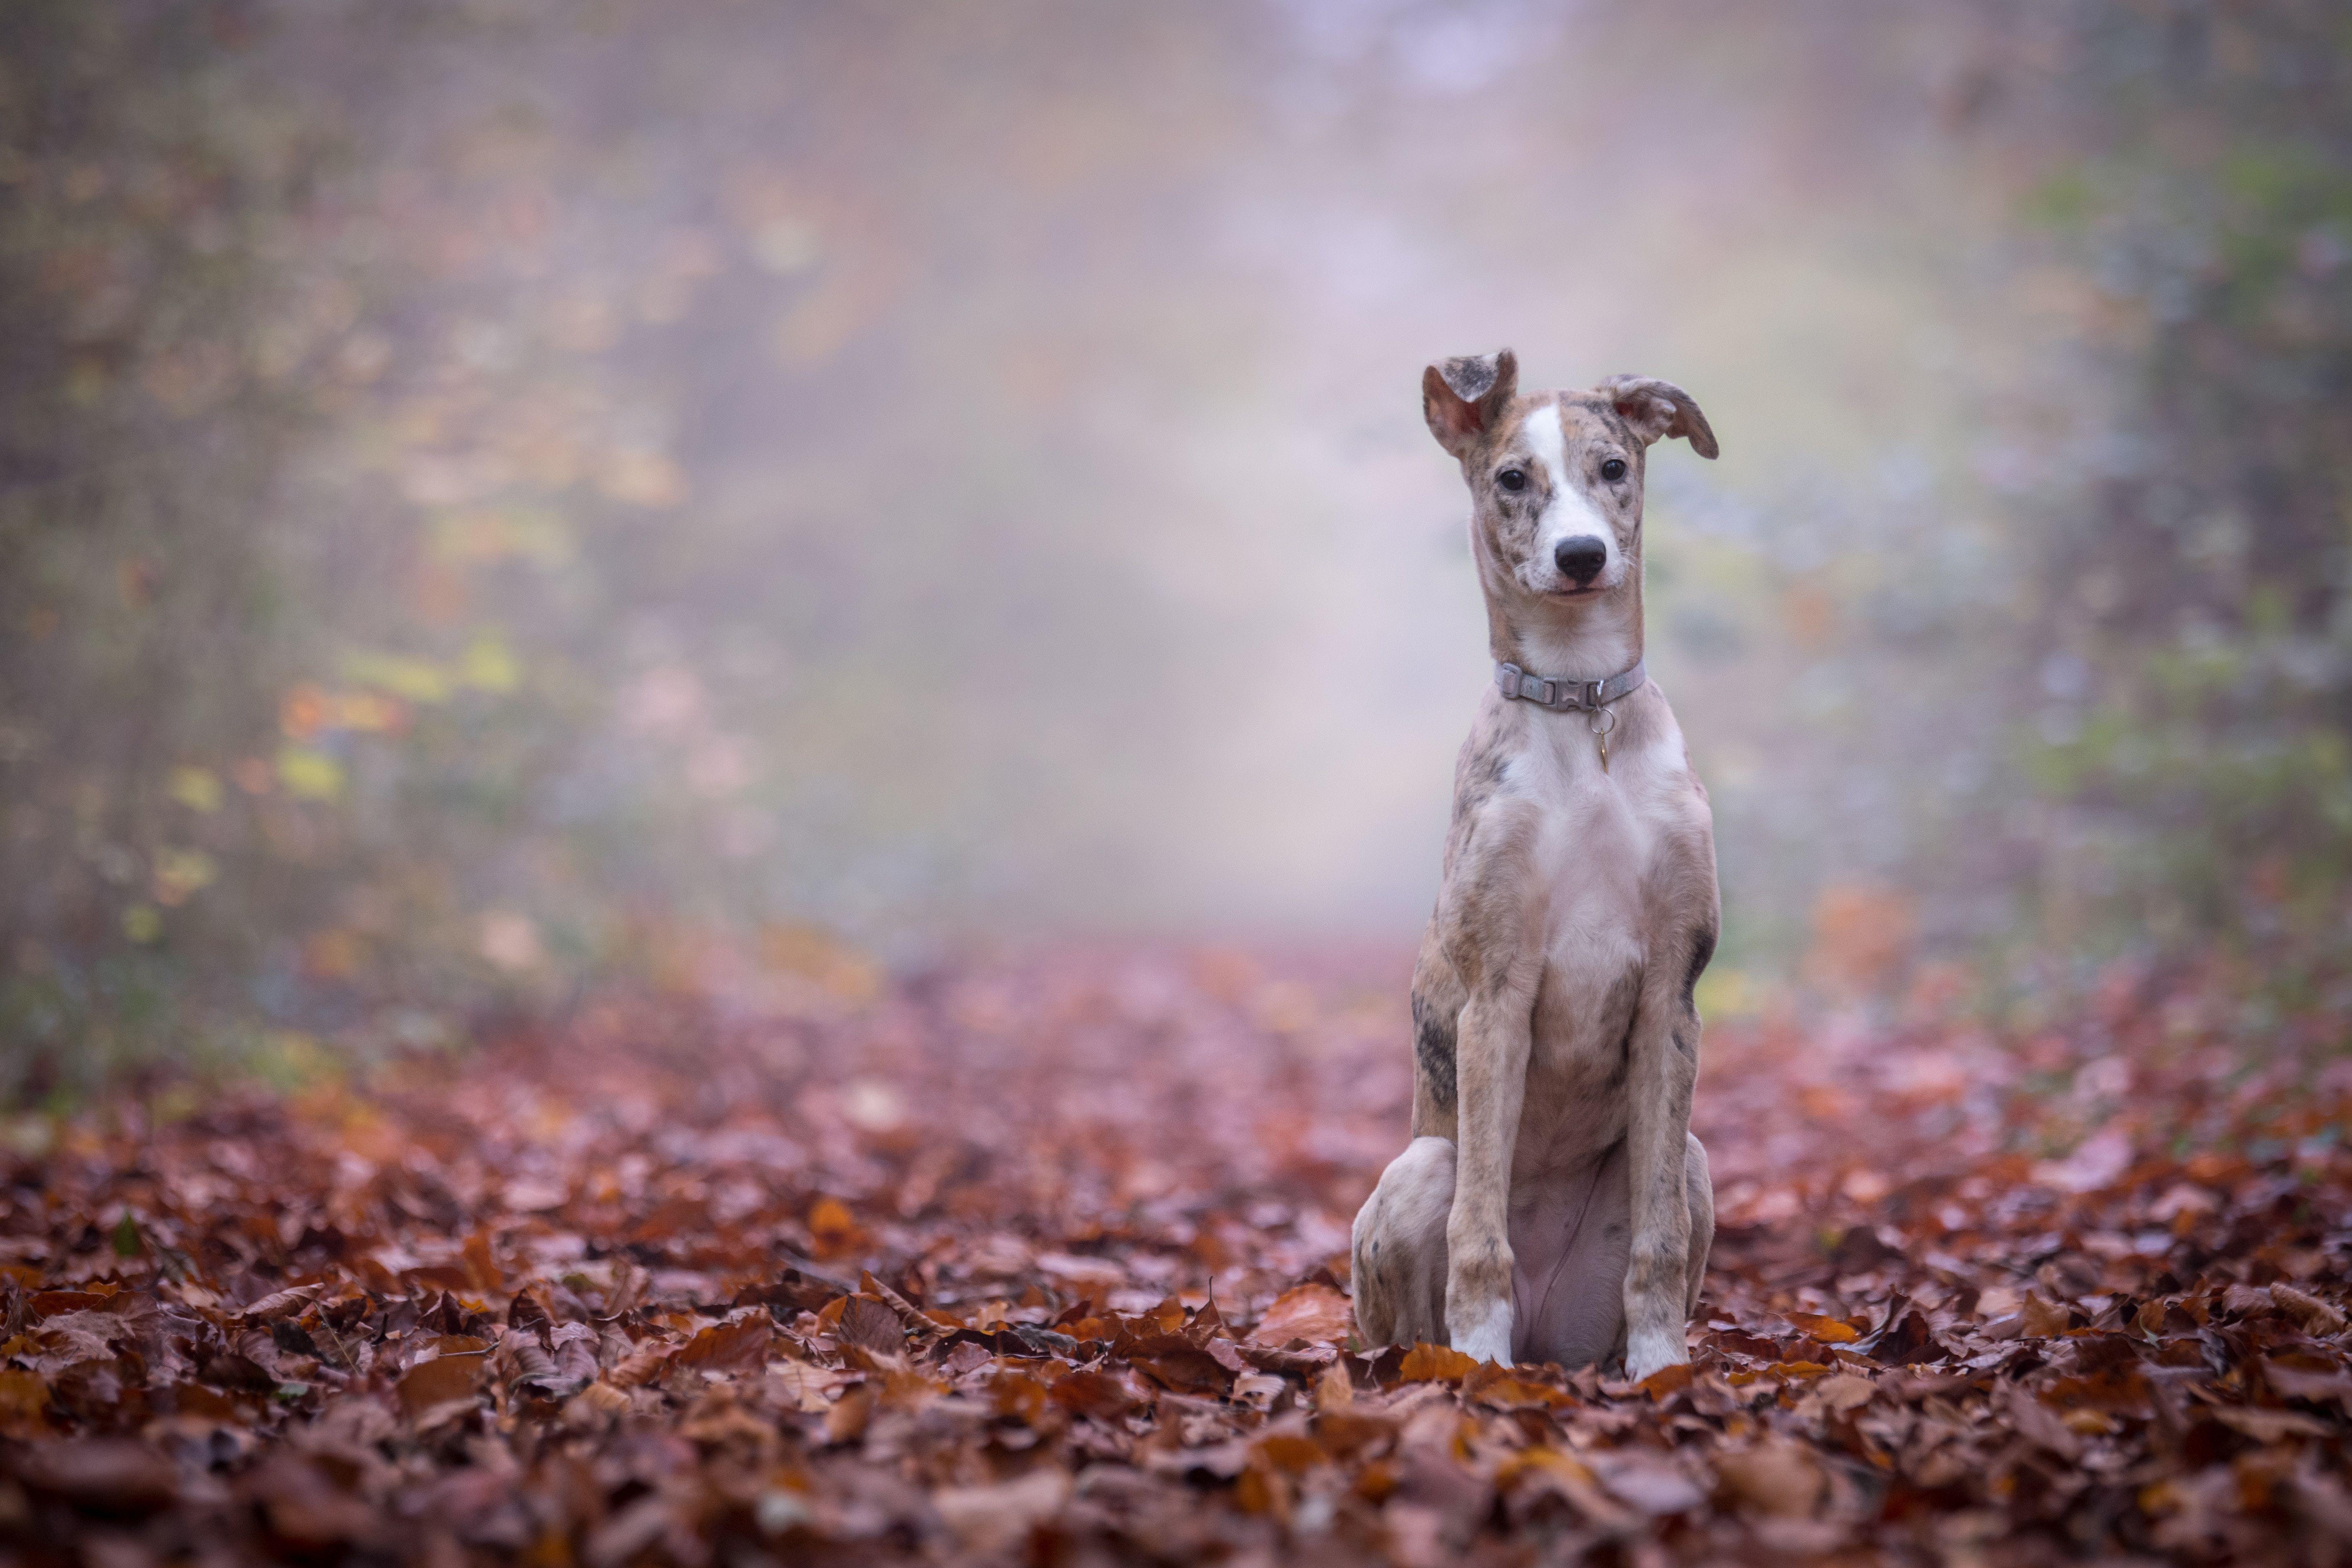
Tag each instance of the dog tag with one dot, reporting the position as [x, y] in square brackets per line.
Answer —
[1605, 751]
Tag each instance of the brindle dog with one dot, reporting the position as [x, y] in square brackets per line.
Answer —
[1553, 1204]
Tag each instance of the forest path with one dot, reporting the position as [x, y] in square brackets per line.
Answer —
[927, 1273]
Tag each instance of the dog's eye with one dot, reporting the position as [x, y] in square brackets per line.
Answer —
[1512, 479]
[1613, 470]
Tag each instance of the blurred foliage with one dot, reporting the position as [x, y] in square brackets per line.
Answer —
[143, 407]
[275, 481]
[2192, 651]
[500, 493]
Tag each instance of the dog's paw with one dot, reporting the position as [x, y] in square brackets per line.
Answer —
[1649, 1350]
[1489, 1336]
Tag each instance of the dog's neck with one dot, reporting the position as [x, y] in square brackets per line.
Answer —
[1589, 639]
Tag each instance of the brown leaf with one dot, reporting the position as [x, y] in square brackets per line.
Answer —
[793, 1291]
[1435, 1363]
[1266, 1358]
[2318, 1319]
[739, 1346]
[2040, 1320]
[1666, 1381]
[575, 1352]
[2033, 1420]
[282, 1304]
[1778, 1478]
[2248, 1300]
[1906, 1338]
[2296, 1378]
[2270, 1426]
[865, 1321]
[525, 1312]
[104, 1476]
[1498, 1387]
[1316, 1313]
[1093, 1393]
[995, 1518]
[642, 1365]
[1174, 1361]
[1844, 1392]
[1829, 1330]
[847, 1422]
[23, 1399]
[441, 1380]
[1646, 1481]
[307, 1511]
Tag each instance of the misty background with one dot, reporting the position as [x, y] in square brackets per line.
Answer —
[502, 497]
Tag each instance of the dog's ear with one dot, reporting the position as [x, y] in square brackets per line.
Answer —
[1657, 409]
[1461, 397]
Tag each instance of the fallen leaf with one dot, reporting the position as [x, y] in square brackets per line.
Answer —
[1781, 1479]
[991, 1518]
[1435, 1363]
[104, 1476]
[738, 1346]
[441, 1380]
[1316, 1313]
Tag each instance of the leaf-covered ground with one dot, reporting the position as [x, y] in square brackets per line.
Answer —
[1047, 1264]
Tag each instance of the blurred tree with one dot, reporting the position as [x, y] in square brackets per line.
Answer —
[2193, 652]
[151, 182]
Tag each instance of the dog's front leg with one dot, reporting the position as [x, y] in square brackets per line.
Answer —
[1492, 1066]
[1664, 1070]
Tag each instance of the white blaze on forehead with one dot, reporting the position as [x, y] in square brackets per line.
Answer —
[1549, 444]
[1571, 512]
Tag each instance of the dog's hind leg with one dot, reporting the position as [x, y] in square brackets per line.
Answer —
[1699, 1184]
[1399, 1248]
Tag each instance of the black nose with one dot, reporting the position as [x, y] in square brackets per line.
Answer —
[1580, 558]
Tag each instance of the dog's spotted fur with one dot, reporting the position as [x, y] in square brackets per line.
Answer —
[1552, 1205]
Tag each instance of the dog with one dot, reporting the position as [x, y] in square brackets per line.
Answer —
[1552, 1205]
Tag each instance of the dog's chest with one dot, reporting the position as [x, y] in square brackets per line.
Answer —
[1594, 855]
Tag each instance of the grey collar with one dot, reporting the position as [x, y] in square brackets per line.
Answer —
[1567, 696]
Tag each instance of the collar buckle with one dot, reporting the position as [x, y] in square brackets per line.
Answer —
[1566, 696]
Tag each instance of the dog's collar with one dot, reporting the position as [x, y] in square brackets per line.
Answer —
[1567, 696]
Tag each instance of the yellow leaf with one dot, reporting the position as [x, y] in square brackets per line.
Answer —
[198, 789]
[417, 680]
[368, 711]
[463, 537]
[180, 872]
[141, 924]
[309, 775]
[490, 666]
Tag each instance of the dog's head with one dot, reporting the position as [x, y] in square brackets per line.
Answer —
[1556, 477]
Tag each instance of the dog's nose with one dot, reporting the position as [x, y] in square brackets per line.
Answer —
[1581, 558]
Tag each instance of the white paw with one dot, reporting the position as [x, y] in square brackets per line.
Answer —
[1488, 1338]
[1649, 1350]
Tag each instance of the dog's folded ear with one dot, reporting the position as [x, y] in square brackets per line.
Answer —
[1657, 409]
[1462, 397]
